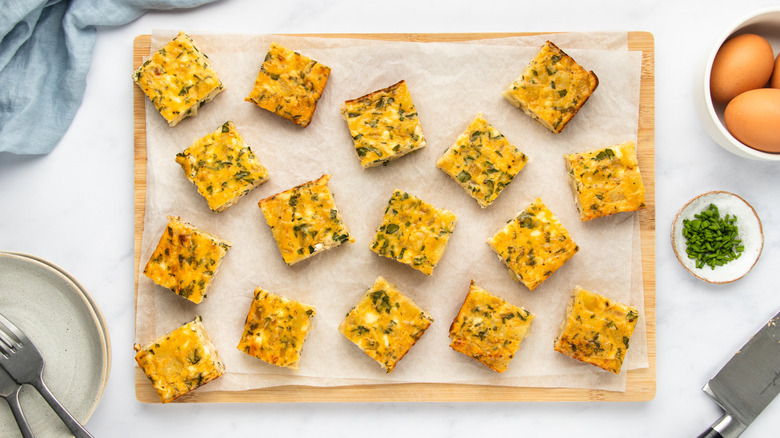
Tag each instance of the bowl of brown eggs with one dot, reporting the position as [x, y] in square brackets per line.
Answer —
[738, 100]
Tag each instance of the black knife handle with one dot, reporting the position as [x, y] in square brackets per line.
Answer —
[711, 433]
[726, 427]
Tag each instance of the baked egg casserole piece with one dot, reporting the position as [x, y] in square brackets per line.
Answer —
[482, 161]
[276, 328]
[384, 125]
[552, 88]
[289, 85]
[533, 244]
[178, 79]
[222, 166]
[606, 181]
[413, 232]
[489, 329]
[181, 361]
[596, 330]
[304, 220]
[385, 324]
[186, 259]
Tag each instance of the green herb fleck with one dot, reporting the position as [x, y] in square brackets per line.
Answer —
[605, 154]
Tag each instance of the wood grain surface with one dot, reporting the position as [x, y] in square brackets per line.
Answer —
[641, 383]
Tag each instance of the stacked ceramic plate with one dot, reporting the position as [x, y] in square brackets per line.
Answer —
[65, 323]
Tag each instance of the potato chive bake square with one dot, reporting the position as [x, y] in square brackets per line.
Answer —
[289, 85]
[413, 232]
[552, 88]
[186, 259]
[304, 220]
[222, 166]
[385, 324]
[275, 329]
[489, 329]
[178, 79]
[606, 181]
[383, 125]
[482, 161]
[181, 361]
[533, 245]
[596, 330]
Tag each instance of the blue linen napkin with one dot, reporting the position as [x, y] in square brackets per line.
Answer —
[45, 54]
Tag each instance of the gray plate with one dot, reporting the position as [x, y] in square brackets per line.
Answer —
[64, 322]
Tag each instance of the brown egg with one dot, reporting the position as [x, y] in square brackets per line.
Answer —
[753, 118]
[743, 63]
[775, 81]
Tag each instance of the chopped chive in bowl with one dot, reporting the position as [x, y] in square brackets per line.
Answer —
[717, 237]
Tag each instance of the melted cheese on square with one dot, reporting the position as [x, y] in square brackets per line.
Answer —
[552, 88]
[222, 166]
[304, 220]
[489, 329]
[178, 79]
[384, 125]
[533, 245]
[181, 361]
[385, 324]
[482, 161]
[413, 232]
[275, 329]
[186, 259]
[597, 330]
[289, 85]
[606, 181]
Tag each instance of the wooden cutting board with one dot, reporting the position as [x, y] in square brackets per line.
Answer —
[641, 383]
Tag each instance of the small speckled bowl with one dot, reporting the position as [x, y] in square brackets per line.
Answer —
[750, 232]
[765, 22]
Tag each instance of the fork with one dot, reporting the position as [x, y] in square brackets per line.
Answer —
[9, 390]
[24, 363]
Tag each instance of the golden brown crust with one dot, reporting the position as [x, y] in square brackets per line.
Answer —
[372, 95]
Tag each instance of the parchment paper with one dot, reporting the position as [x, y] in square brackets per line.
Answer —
[449, 83]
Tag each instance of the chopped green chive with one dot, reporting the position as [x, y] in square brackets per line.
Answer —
[712, 240]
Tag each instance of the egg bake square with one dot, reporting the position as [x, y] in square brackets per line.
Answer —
[222, 167]
[413, 232]
[384, 125]
[385, 324]
[304, 220]
[552, 88]
[180, 361]
[289, 85]
[186, 259]
[482, 161]
[178, 79]
[533, 244]
[276, 329]
[606, 181]
[489, 329]
[596, 330]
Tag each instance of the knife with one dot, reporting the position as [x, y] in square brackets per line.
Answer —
[747, 383]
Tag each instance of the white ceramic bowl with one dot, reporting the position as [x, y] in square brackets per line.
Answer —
[750, 232]
[764, 22]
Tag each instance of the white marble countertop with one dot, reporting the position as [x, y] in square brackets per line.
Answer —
[74, 207]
